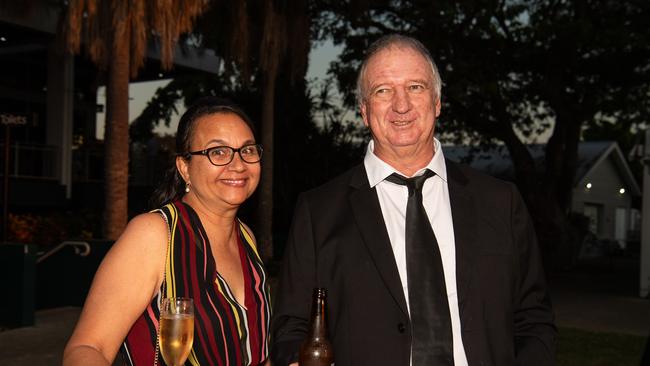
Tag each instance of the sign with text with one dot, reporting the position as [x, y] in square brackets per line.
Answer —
[10, 119]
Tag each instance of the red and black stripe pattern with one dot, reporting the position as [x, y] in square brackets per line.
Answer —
[225, 332]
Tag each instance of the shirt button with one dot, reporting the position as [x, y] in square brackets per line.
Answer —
[401, 328]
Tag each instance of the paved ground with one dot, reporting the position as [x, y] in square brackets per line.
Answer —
[42, 344]
[601, 296]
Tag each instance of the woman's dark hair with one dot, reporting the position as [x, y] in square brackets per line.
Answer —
[172, 186]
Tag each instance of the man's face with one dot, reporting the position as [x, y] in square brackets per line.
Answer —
[400, 106]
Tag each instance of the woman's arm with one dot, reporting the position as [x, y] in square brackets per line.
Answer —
[124, 284]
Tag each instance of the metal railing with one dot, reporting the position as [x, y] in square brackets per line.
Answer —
[34, 161]
[81, 248]
[40, 161]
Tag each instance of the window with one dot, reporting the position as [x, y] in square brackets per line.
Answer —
[593, 213]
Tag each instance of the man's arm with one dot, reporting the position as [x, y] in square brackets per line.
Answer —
[535, 331]
[297, 280]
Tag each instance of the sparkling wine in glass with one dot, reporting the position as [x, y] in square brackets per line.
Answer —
[176, 329]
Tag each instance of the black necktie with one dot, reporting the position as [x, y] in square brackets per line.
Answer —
[432, 342]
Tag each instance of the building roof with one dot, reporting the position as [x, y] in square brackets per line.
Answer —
[496, 160]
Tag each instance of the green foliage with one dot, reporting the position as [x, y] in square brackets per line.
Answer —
[183, 90]
[619, 132]
[48, 229]
[336, 140]
[515, 64]
[579, 347]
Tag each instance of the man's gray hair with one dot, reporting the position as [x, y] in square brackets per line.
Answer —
[396, 40]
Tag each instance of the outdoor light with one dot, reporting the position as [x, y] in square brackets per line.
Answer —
[588, 185]
[160, 74]
[3, 39]
[621, 191]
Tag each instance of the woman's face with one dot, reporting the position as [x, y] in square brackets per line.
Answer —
[226, 186]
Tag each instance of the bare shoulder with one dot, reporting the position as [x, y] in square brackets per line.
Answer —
[150, 223]
[142, 246]
[146, 232]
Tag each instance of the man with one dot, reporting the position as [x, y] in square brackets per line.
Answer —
[356, 237]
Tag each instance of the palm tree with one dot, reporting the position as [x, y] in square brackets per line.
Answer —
[272, 49]
[285, 42]
[260, 40]
[115, 35]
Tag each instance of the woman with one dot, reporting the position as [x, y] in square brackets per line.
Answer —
[193, 246]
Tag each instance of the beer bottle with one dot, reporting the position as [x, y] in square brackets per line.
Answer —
[317, 349]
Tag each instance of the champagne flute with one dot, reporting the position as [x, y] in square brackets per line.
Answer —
[176, 329]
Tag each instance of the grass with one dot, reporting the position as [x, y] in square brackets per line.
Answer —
[579, 347]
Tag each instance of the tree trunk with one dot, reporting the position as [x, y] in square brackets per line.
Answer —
[116, 137]
[551, 200]
[265, 210]
[540, 199]
[570, 161]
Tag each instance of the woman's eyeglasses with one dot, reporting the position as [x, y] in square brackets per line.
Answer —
[223, 155]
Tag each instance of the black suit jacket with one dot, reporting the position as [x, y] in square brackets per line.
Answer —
[338, 240]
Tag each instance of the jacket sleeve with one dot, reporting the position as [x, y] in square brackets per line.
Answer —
[293, 297]
[534, 327]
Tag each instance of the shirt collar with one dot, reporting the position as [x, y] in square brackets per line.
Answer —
[377, 169]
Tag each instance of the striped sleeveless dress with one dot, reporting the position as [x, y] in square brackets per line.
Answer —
[225, 332]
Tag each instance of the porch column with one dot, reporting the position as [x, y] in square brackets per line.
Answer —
[60, 117]
[644, 283]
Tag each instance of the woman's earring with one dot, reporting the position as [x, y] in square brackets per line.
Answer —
[187, 188]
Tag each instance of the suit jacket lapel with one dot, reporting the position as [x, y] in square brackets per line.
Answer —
[465, 223]
[367, 215]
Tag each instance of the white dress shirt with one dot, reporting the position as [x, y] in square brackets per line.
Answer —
[435, 192]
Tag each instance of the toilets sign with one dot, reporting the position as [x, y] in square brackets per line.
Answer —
[9, 119]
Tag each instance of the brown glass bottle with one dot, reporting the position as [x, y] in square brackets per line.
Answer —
[317, 349]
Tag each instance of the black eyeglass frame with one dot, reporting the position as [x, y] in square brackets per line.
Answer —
[206, 153]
